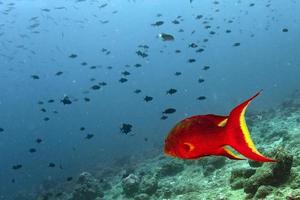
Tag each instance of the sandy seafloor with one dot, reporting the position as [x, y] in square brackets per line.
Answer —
[276, 133]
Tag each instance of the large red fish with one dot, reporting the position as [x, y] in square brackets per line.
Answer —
[205, 135]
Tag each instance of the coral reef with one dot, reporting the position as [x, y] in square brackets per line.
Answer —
[170, 168]
[130, 185]
[270, 174]
[276, 134]
[87, 187]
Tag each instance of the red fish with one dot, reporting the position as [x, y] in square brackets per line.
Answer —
[206, 135]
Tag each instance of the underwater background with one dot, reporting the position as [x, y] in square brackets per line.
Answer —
[91, 88]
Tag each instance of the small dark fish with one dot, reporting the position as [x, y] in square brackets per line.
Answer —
[126, 73]
[137, 91]
[13, 180]
[84, 63]
[1, 130]
[35, 77]
[38, 140]
[87, 99]
[51, 164]
[251, 4]
[60, 8]
[18, 166]
[175, 22]
[200, 80]
[95, 87]
[32, 150]
[122, 80]
[206, 67]
[142, 54]
[146, 139]
[59, 73]
[157, 23]
[103, 5]
[191, 60]
[169, 111]
[212, 32]
[193, 45]
[201, 98]
[46, 119]
[126, 128]
[148, 98]
[137, 65]
[164, 117]
[82, 128]
[89, 136]
[177, 51]
[177, 73]
[144, 46]
[171, 91]
[104, 21]
[236, 44]
[69, 179]
[102, 83]
[66, 100]
[46, 10]
[200, 50]
[228, 31]
[199, 16]
[285, 30]
[166, 37]
[51, 101]
[73, 56]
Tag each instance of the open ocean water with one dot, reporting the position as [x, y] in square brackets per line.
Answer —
[89, 90]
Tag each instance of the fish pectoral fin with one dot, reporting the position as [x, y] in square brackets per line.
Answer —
[225, 151]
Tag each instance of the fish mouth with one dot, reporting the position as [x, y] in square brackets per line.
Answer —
[170, 153]
[168, 150]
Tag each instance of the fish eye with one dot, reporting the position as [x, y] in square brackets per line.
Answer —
[188, 147]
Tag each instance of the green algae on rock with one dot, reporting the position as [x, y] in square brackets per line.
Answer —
[239, 176]
[272, 174]
[149, 185]
[87, 188]
[130, 185]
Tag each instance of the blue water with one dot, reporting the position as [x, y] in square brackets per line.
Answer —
[267, 59]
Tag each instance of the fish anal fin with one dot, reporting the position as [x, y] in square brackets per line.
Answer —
[227, 152]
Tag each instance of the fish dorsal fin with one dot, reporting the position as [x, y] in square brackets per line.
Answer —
[218, 120]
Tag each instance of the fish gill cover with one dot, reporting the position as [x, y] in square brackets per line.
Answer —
[91, 88]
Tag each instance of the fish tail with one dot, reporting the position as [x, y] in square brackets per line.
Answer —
[238, 135]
